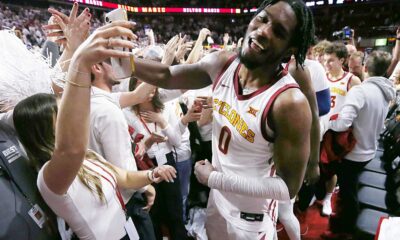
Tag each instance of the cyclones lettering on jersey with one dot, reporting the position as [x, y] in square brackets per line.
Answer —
[234, 118]
[339, 91]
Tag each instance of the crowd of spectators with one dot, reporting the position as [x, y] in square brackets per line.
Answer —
[369, 20]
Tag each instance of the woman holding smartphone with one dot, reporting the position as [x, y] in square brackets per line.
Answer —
[76, 183]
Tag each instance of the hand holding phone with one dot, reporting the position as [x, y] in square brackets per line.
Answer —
[122, 67]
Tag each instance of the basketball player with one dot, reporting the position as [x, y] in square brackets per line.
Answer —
[340, 83]
[261, 127]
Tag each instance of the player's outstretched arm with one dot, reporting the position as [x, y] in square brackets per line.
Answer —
[292, 120]
[186, 76]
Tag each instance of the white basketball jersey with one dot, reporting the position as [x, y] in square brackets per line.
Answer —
[243, 145]
[339, 89]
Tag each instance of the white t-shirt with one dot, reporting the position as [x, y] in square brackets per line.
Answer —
[183, 152]
[109, 135]
[85, 213]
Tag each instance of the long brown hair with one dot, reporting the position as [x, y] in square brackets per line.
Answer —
[34, 120]
[155, 101]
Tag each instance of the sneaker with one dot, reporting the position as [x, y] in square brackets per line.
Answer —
[326, 208]
[312, 201]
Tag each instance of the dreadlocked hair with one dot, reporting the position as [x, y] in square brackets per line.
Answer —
[304, 33]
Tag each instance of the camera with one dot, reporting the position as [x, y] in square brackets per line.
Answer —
[344, 34]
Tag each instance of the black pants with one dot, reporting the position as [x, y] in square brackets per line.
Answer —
[307, 192]
[347, 205]
[167, 207]
[141, 218]
[198, 193]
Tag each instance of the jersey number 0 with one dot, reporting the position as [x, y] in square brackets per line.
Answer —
[224, 139]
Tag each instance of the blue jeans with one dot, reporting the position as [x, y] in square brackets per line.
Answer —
[184, 169]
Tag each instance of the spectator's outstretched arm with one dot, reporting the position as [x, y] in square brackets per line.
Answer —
[395, 77]
[72, 124]
[169, 51]
[195, 54]
[396, 54]
[70, 31]
[143, 93]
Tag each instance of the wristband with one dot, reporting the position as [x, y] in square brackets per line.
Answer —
[150, 175]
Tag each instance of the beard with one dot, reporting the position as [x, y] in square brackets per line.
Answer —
[247, 61]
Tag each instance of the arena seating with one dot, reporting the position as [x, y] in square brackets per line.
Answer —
[380, 181]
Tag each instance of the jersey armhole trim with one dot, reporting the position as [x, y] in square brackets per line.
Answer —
[227, 64]
[265, 120]
[348, 82]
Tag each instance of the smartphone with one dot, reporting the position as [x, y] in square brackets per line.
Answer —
[122, 67]
[158, 134]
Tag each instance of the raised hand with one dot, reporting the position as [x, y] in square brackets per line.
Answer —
[203, 34]
[100, 45]
[226, 38]
[70, 30]
[170, 49]
[183, 47]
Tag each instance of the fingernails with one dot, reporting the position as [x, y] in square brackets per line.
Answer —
[75, 3]
[87, 9]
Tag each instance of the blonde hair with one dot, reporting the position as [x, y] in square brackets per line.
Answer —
[320, 47]
[34, 121]
[91, 179]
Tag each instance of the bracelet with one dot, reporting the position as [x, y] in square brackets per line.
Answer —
[150, 175]
[64, 62]
[78, 85]
[74, 70]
